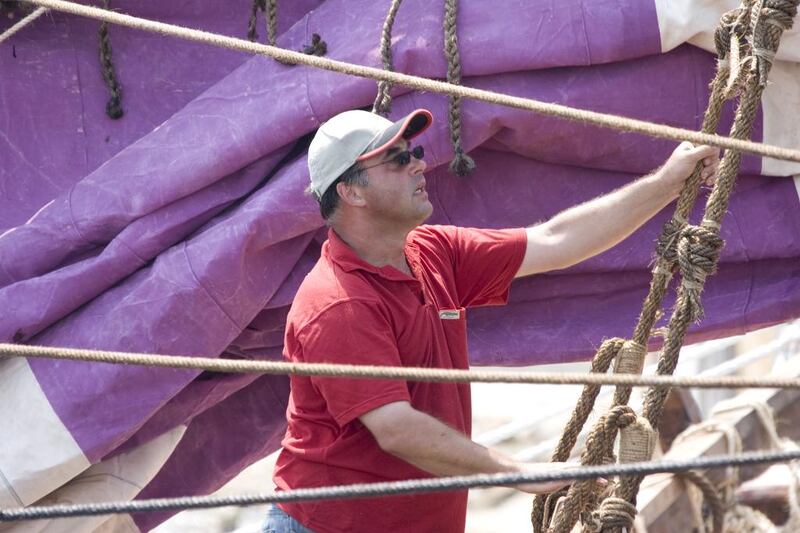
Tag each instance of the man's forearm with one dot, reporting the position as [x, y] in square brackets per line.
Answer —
[436, 448]
[595, 226]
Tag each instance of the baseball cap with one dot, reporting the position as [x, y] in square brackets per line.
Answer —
[354, 136]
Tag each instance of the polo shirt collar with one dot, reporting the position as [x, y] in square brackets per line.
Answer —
[340, 253]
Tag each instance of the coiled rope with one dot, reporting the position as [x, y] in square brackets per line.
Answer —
[412, 486]
[422, 84]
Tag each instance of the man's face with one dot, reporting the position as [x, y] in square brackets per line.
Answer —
[396, 192]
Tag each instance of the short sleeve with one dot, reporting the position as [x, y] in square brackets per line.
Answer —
[485, 261]
[358, 333]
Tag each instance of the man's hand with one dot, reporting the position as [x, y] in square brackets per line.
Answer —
[682, 162]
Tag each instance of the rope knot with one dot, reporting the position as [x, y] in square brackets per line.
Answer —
[698, 250]
[667, 243]
[318, 47]
[614, 513]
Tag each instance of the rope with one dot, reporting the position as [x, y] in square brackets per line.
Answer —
[394, 373]
[695, 249]
[371, 490]
[590, 117]
[114, 105]
[383, 100]
[462, 164]
[38, 12]
[270, 9]
[710, 496]
[600, 364]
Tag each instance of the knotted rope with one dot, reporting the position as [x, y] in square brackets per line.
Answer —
[696, 249]
[114, 105]
[383, 101]
[462, 164]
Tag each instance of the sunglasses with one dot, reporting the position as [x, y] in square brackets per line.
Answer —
[403, 158]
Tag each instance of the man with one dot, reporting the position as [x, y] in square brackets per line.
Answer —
[388, 291]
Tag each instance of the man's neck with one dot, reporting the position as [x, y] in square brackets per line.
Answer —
[378, 246]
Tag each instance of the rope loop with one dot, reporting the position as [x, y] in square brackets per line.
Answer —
[698, 251]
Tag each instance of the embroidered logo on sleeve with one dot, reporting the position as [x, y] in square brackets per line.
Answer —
[450, 314]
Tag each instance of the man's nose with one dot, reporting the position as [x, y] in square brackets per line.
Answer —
[418, 166]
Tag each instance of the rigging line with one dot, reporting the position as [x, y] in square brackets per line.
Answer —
[411, 486]
[38, 12]
[422, 84]
[396, 373]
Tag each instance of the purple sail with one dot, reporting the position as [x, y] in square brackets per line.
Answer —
[182, 228]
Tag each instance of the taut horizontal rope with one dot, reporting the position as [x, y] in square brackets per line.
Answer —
[22, 23]
[391, 372]
[422, 84]
[371, 490]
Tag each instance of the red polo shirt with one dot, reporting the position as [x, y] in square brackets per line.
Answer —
[348, 311]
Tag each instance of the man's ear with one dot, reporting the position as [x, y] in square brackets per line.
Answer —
[350, 194]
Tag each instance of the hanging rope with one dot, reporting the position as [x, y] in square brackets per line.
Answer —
[114, 105]
[462, 164]
[603, 120]
[270, 10]
[383, 100]
[35, 14]
[696, 248]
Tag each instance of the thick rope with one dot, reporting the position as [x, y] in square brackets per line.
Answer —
[372, 490]
[699, 246]
[581, 496]
[394, 373]
[422, 84]
[10, 32]
[710, 496]
[600, 364]
[383, 100]
[695, 248]
[462, 164]
[114, 105]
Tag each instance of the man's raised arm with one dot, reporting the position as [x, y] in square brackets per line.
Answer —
[593, 227]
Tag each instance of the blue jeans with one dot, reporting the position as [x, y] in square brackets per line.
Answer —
[278, 521]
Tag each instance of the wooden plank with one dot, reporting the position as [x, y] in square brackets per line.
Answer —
[663, 502]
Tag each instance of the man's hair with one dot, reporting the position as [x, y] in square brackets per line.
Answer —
[329, 200]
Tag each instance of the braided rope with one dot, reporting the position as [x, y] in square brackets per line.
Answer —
[422, 84]
[393, 373]
[10, 32]
[252, 34]
[462, 164]
[413, 486]
[114, 105]
[383, 100]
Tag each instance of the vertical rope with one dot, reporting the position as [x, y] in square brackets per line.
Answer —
[114, 105]
[462, 164]
[271, 10]
[252, 35]
[383, 100]
[600, 364]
